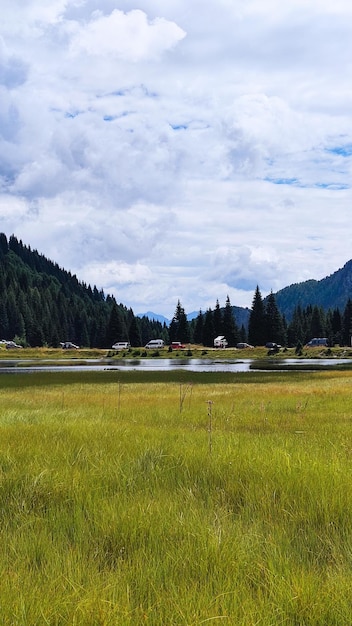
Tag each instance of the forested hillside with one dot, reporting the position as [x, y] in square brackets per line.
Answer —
[332, 292]
[42, 304]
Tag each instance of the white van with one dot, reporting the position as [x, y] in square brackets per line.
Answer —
[318, 341]
[121, 345]
[155, 344]
[220, 342]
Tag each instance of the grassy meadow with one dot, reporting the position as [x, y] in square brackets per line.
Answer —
[185, 499]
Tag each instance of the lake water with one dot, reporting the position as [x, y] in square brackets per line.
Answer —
[193, 365]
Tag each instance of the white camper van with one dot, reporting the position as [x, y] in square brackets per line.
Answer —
[220, 342]
[154, 344]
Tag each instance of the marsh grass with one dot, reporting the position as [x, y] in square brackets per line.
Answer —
[115, 512]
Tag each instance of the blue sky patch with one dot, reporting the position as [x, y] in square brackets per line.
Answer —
[179, 126]
[344, 151]
[283, 181]
[332, 186]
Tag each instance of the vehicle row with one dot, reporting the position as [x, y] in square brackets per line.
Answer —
[219, 342]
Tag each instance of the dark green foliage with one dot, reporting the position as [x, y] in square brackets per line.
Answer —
[198, 328]
[208, 329]
[257, 321]
[117, 329]
[347, 323]
[217, 319]
[317, 322]
[229, 327]
[275, 329]
[135, 336]
[3, 244]
[329, 293]
[312, 321]
[42, 304]
[179, 328]
[334, 327]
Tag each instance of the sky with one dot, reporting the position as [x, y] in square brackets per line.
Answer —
[178, 149]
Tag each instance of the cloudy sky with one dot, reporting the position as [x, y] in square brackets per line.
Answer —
[178, 149]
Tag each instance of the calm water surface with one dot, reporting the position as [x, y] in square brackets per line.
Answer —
[194, 365]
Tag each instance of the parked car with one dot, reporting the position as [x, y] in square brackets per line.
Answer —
[177, 345]
[12, 345]
[68, 345]
[121, 345]
[272, 344]
[155, 344]
[243, 346]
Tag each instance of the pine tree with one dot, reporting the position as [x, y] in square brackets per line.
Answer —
[179, 327]
[4, 246]
[347, 323]
[317, 322]
[4, 322]
[218, 320]
[198, 328]
[116, 330]
[230, 329]
[208, 329]
[274, 323]
[256, 324]
[295, 331]
[335, 326]
[134, 333]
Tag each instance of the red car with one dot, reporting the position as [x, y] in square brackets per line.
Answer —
[177, 345]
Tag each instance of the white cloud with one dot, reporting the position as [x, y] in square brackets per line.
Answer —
[127, 36]
[181, 149]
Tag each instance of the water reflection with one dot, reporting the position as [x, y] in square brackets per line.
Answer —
[188, 364]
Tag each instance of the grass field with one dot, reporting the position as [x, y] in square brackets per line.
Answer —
[132, 498]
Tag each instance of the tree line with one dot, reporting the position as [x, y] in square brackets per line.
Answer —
[266, 324]
[43, 304]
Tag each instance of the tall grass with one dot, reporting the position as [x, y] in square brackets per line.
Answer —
[114, 510]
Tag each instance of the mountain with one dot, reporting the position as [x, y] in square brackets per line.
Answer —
[331, 292]
[241, 315]
[154, 317]
[192, 316]
[43, 304]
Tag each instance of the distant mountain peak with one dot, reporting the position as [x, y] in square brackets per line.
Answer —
[154, 316]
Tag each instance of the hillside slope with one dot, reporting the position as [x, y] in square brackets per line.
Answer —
[331, 292]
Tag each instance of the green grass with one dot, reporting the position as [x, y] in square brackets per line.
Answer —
[119, 504]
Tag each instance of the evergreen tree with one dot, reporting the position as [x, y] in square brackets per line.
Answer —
[4, 246]
[347, 324]
[198, 329]
[116, 330]
[243, 334]
[256, 324]
[135, 334]
[218, 320]
[208, 329]
[230, 329]
[335, 327]
[274, 323]
[317, 322]
[179, 327]
[4, 322]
